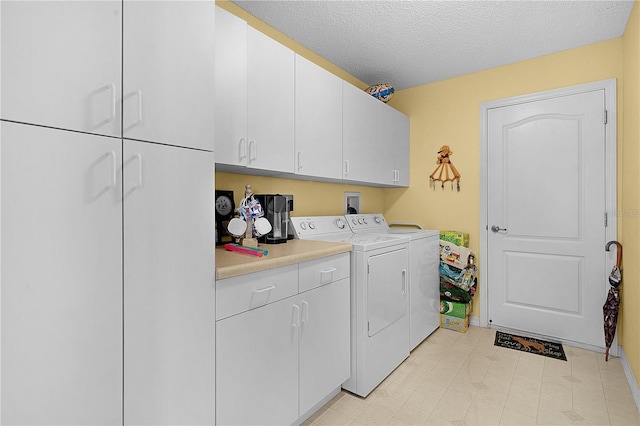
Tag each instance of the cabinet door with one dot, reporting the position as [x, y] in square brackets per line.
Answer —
[318, 121]
[231, 89]
[61, 277]
[169, 71]
[169, 305]
[257, 366]
[359, 134]
[402, 157]
[270, 104]
[393, 146]
[61, 64]
[324, 342]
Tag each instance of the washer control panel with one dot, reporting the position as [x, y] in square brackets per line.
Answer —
[307, 227]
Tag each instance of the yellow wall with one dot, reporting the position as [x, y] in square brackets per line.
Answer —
[448, 113]
[629, 201]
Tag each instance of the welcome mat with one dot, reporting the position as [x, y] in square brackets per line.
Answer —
[529, 344]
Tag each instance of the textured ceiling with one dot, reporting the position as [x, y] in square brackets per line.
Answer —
[410, 43]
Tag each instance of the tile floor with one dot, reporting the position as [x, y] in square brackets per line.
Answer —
[463, 379]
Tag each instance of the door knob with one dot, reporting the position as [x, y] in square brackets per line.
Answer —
[496, 228]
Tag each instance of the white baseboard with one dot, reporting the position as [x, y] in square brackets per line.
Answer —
[475, 321]
[633, 383]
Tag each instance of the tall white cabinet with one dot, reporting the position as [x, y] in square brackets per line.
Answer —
[61, 295]
[106, 213]
[169, 285]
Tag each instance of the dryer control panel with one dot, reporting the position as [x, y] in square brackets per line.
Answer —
[367, 222]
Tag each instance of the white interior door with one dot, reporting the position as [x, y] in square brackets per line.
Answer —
[546, 189]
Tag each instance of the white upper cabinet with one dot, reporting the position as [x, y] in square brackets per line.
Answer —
[231, 89]
[270, 104]
[254, 91]
[277, 113]
[168, 69]
[392, 146]
[318, 121]
[359, 134]
[63, 67]
[61, 64]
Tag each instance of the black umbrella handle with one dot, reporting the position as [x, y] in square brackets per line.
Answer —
[619, 246]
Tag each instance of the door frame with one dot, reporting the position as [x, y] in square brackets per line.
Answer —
[611, 230]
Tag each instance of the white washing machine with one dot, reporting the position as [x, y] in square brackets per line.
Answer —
[379, 298]
[424, 280]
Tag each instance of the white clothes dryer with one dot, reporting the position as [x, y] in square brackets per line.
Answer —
[379, 298]
[424, 279]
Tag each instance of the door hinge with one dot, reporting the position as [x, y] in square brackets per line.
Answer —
[606, 116]
[606, 220]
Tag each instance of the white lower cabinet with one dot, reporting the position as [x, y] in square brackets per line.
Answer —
[79, 269]
[324, 342]
[278, 360]
[61, 281]
[257, 366]
[169, 320]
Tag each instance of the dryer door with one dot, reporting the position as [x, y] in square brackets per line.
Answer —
[387, 289]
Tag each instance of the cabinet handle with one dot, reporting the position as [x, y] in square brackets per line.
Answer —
[253, 148]
[299, 160]
[113, 178]
[296, 316]
[305, 312]
[139, 120]
[262, 290]
[138, 95]
[139, 183]
[404, 281]
[346, 167]
[138, 159]
[329, 271]
[112, 116]
[242, 148]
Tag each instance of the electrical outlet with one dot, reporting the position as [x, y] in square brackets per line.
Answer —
[351, 202]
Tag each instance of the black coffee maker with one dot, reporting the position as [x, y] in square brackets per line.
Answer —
[277, 208]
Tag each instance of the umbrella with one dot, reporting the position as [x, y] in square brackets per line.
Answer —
[612, 304]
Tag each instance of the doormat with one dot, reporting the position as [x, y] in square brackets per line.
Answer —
[529, 344]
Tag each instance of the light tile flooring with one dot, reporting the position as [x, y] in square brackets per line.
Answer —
[463, 379]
